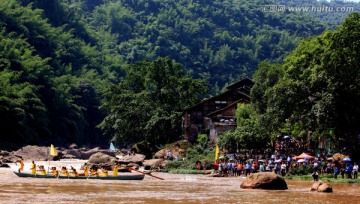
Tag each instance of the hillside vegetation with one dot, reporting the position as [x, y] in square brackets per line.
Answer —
[60, 60]
[313, 96]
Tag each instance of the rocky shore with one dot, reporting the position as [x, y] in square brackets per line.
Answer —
[94, 156]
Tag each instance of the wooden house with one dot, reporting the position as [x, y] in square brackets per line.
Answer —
[216, 114]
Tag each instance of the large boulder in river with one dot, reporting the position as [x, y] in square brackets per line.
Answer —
[264, 180]
[68, 156]
[321, 187]
[33, 153]
[152, 164]
[10, 159]
[72, 153]
[7, 157]
[101, 158]
[83, 153]
[3, 165]
[132, 158]
[73, 146]
[88, 153]
[4, 153]
[325, 188]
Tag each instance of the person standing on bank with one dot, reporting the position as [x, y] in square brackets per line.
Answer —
[283, 169]
[315, 175]
[247, 168]
[336, 172]
[355, 170]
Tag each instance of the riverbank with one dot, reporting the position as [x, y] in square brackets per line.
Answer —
[77, 164]
[323, 177]
[176, 188]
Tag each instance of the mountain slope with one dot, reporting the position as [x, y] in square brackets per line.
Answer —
[223, 40]
[57, 59]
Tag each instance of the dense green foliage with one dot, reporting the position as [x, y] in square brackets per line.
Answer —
[320, 82]
[61, 60]
[147, 105]
[223, 40]
[249, 132]
[51, 80]
[58, 59]
[199, 152]
[314, 90]
[322, 177]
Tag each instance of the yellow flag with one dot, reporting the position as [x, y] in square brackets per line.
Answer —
[53, 151]
[216, 152]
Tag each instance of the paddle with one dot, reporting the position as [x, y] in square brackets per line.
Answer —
[132, 169]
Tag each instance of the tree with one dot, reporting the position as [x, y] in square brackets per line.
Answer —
[147, 105]
[266, 76]
[249, 133]
[317, 87]
[221, 39]
[51, 77]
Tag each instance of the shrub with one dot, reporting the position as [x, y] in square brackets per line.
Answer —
[198, 152]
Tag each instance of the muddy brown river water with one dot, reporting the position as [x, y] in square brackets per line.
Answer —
[174, 189]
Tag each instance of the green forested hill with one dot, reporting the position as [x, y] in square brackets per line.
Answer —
[313, 95]
[58, 58]
[223, 40]
[52, 76]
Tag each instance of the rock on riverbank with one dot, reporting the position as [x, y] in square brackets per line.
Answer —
[95, 156]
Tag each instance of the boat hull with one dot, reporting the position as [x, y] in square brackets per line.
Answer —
[48, 176]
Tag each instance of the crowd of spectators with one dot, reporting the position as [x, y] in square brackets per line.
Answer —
[282, 160]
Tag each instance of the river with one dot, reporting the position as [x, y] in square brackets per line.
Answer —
[175, 188]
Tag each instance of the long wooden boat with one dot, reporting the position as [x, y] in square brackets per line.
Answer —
[119, 177]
